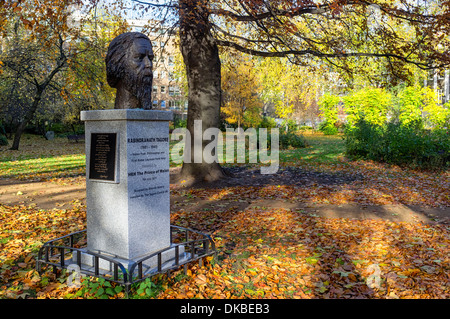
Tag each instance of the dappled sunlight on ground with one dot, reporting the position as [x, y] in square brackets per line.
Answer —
[322, 227]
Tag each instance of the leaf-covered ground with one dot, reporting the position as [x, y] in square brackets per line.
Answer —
[263, 251]
[284, 254]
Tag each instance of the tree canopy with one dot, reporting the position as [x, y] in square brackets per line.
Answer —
[397, 33]
[390, 38]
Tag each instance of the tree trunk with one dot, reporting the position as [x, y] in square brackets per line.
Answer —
[201, 58]
[28, 116]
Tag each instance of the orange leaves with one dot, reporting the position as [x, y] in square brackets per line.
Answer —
[277, 253]
[27, 23]
[201, 280]
[263, 253]
[269, 252]
[23, 230]
[364, 183]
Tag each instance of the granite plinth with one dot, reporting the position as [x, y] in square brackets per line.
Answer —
[127, 182]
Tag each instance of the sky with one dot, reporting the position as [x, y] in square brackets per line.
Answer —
[129, 12]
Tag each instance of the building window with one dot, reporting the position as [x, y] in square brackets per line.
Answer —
[171, 61]
[163, 74]
[155, 103]
[174, 91]
[155, 89]
[163, 104]
[163, 89]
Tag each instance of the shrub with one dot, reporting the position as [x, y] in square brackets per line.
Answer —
[290, 125]
[268, 122]
[328, 128]
[286, 140]
[291, 139]
[59, 128]
[305, 128]
[399, 144]
[328, 105]
[370, 104]
[361, 139]
[179, 123]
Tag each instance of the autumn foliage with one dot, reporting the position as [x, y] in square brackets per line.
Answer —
[271, 241]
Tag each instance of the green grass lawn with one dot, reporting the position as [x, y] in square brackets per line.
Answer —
[40, 158]
[321, 149]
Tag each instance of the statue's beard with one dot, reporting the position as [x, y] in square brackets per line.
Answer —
[140, 85]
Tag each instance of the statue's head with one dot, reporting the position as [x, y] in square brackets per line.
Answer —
[129, 66]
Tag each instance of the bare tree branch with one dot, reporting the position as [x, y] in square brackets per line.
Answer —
[319, 54]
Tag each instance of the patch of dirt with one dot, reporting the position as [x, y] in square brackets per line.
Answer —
[251, 176]
[61, 193]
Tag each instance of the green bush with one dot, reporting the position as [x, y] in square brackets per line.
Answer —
[305, 128]
[268, 122]
[291, 139]
[370, 104]
[363, 139]
[291, 125]
[399, 144]
[286, 140]
[328, 128]
[179, 123]
[328, 106]
[59, 128]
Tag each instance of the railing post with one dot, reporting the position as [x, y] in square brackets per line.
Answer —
[79, 258]
[61, 257]
[116, 272]
[71, 242]
[140, 270]
[96, 265]
[193, 248]
[159, 262]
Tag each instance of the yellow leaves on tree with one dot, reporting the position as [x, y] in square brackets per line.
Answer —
[240, 84]
[291, 88]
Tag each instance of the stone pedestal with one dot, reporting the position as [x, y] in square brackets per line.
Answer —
[127, 181]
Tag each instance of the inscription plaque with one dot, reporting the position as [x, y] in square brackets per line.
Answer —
[102, 160]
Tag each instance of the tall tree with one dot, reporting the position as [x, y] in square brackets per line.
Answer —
[201, 58]
[47, 48]
[35, 48]
[333, 31]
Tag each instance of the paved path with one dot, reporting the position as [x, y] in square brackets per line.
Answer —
[62, 194]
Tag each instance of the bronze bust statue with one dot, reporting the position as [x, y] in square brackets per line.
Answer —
[129, 69]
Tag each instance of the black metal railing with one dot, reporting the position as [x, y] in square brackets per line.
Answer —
[195, 248]
[188, 246]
